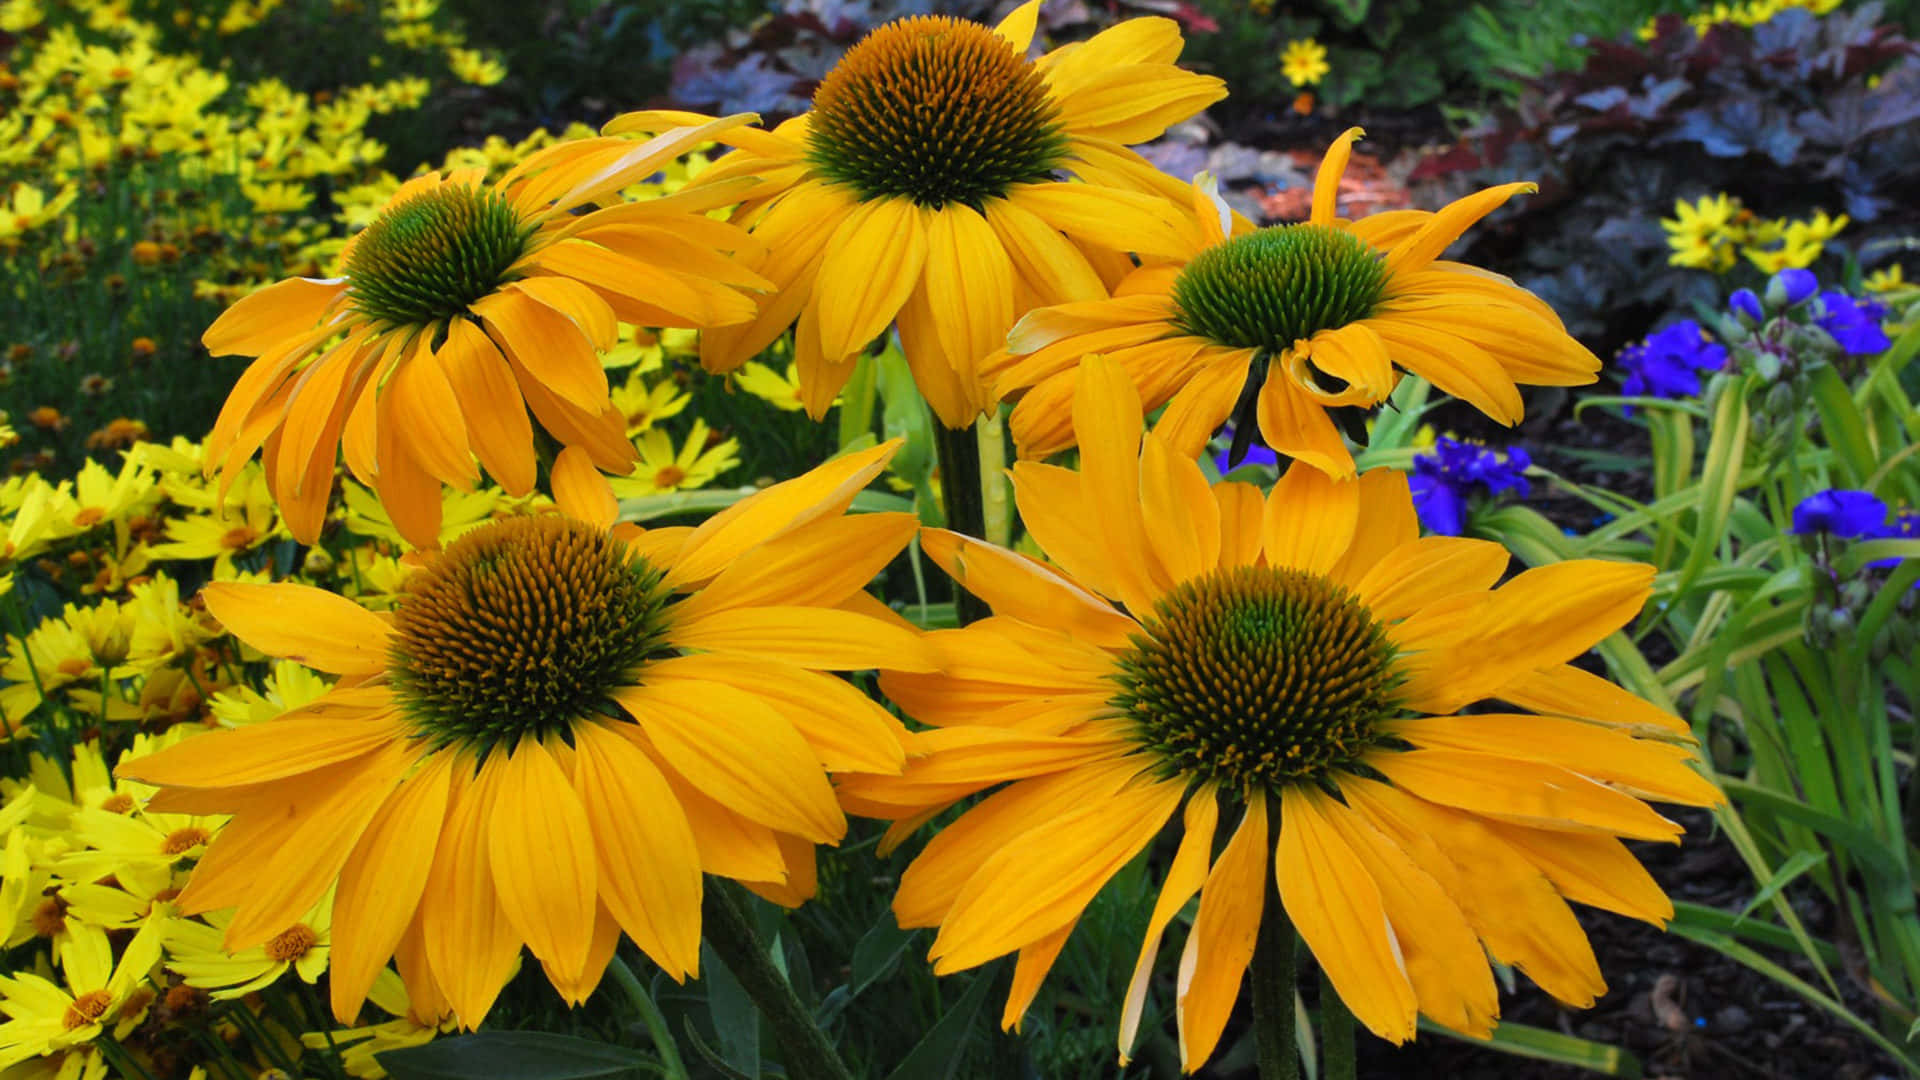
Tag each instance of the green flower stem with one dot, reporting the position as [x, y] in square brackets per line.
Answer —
[960, 490]
[996, 495]
[726, 926]
[1336, 1033]
[1277, 1049]
[650, 1015]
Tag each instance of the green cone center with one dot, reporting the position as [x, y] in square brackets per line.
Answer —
[1270, 288]
[431, 256]
[1257, 678]
[523, 627]
[936, 110]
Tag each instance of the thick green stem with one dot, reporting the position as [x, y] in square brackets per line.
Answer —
[1336, 1032]
[1278, 1050]
[726, 926]
[650, 1015]
[960, 491]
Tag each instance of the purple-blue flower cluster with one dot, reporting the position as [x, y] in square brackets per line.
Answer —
[1853, 324]
[1854, 515]
[1669, 363]
[1443, 480]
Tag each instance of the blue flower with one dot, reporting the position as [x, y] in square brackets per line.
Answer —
[1668, 364]
[1443, 480]
[1845, 513]
[1793, 285]
[1256, 454]
[1854, 324]
[1747, 305]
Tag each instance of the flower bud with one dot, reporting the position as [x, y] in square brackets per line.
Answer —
[1790, 288]
[1746, 306]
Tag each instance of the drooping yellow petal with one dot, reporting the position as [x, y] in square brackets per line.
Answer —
[648, 876]
[1029, 971]
[1309, 520]
[820, 563]
[846, 729]
[1294, 424]
[1042, 882]
[1182, 519]
[808, 637]
[1441, 230]
[823, 490]
[1184, 876]
[1106, 415]
[875, 259]
[499, 432]
[1017, 28]
[742, 753]
[1326, 182]
[541, 850]
[581, 491]
[469, 943]
[1221, 943]
[1642, 767]
[260, 321]
[382, 882]
[1387, 520]
[1017, 586]
[1339, 913]
[1523, 792]
[1568, 691]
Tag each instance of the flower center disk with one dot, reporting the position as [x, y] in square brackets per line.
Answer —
[936, 110]
[522, 628]
[1270, 288]
[431, 256]
[1257, 678]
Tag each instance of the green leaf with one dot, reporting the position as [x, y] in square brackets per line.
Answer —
[512, 1055]
[734, 1018]
[939, 1052]
[877, 951]
[1522, 1040]
[1798, 863]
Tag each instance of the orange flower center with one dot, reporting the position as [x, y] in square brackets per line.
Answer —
[86, 1009]
[670, 476]
[291, 945]
[181, 841]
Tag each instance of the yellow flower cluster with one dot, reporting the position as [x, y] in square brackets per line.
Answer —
[1716, 231]
[1742, 13]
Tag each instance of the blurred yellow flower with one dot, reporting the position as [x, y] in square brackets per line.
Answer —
[1304, 62]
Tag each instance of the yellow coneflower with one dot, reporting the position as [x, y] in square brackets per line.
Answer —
[555, 733]
[1293, 670]
[922, 189]
[460, 308]
[1291, 321]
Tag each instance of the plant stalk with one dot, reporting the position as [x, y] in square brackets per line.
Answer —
[1277, 1049]
[727, 927]
[1336, 1033]
[670, 1062]
[966, 510]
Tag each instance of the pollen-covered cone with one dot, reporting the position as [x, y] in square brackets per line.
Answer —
[460, 309]
[1290, 321]
[1287, 677]
[557, 731]
[923, 189]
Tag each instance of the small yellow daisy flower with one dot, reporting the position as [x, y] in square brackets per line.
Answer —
[1304, 62]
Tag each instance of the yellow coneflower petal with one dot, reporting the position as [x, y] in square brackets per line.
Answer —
[820, 563]
[581, 492]
[1147, 40]
[1522, 792]
[1510, 903]
[876, 255]
[1547, 615]
[1429, 569]
[1357, 355]
[1095, 214]
[729, 845]
[469, 942]
[1136, 103]
[1326, 182]
[1012, 584]
[801, 879]
[1029, 971]
[771, 513]
[1441, 230]
[845, 728]
[319, 835]
[437, 437]
[1184, 877]
[1044, 880]
[1295, 425]
[1182, 520]
[741, 752]
[1203, 404]
[1224, 932]
[1659, 771]
[540, 849]
[1386, 521]
[1597, 871]
[932, 882]
[1242, 510]
[951, 763]
[549, 345]
[795, 233]
[649, 878]
[263, 753]
[1339, 913]
[1568, 691]
[1045, 265]
[1454, 365]
[382, 881]
[1018, 27]
[807, 637]
[500, 434]
[1106, 414]
[969, 286]
[1309, 520]
[258, 322]
[576, 985]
